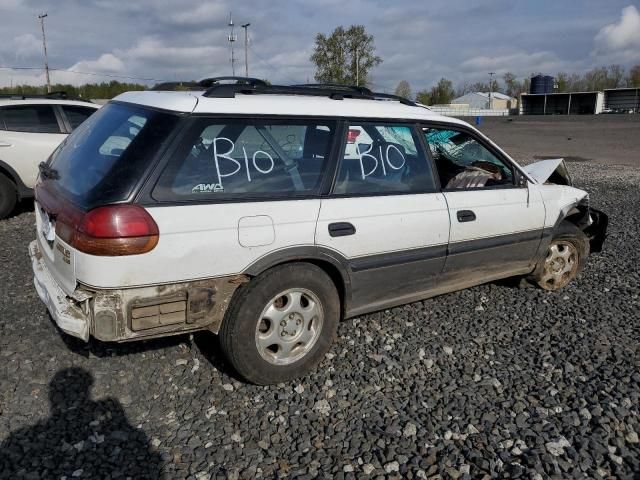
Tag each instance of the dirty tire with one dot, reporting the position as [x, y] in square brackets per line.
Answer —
[8, 196]
[565, 258]
[259, 314]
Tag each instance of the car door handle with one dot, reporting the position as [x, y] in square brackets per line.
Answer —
[341, 229]
[4, 144]
[466, 216]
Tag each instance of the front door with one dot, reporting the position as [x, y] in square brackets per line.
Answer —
[496, 224]
[385, 217]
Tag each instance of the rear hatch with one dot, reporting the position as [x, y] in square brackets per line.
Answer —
[103, 162]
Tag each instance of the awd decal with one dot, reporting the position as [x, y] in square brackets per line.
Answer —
[208, 188]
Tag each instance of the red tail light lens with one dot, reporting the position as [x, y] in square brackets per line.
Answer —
[112, 230]
[352, 135]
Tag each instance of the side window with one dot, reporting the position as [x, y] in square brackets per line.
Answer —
[383, 158]
[76, 114]
[463, 162]
[30, 118]
[249, 158]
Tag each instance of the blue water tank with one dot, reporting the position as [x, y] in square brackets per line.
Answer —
[541, 84]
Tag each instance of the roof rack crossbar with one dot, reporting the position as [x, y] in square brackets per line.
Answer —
[249, 86]
[229, 91]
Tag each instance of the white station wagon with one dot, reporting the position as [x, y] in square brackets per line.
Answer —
[31, 127]
[234, 209]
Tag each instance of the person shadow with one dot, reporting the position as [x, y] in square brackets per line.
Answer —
[82, 438]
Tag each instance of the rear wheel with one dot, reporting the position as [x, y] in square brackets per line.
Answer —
[8, 196]
[566, 256]
[281, 324]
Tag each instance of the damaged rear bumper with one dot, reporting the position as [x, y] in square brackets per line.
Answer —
[68, 314]
[135, 313]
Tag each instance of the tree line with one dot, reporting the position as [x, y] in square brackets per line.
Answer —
[104, 90]
[597, 79]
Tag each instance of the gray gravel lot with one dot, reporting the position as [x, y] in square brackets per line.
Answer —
[492, 381]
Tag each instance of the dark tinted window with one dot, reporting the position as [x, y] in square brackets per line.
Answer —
[382, 158]
[29, 118]
[76, 114]
[248, 158]
[463, 162]
[104, 158]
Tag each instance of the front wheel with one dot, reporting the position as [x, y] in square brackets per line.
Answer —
[566, 256]
[281, 324]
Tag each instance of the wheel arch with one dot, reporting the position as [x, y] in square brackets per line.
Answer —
[331, 262]
[21, 189]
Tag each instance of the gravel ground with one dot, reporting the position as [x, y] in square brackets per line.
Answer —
[491, 381]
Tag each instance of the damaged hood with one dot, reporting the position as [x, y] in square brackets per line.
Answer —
[549, 171]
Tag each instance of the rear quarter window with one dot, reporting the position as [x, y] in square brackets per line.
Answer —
[76, 114]
[247, 158]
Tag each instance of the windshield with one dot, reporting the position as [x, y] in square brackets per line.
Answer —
[104, 158]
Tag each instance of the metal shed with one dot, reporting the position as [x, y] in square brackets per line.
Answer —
[572, 103]
[622, 99]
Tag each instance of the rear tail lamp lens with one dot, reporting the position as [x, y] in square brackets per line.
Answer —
[112, 230]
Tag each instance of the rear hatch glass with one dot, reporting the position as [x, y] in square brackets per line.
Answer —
[103, 160]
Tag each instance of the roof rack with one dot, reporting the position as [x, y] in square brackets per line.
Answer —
[248, 86]
[60, 95]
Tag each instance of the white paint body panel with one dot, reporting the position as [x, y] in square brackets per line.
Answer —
[202, 241]
[498, 212]
[559, 200]
[26, 150]
[384, 224]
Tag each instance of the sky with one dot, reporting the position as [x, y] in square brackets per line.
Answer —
[419, 41]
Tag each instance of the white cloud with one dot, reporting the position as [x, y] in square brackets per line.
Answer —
[27, 45]
[106, 63]
[620, 41]
[519, 63]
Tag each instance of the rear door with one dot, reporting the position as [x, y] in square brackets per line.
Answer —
[74, 115]
[29, 133]
[496, 224]
[234, 191]
[384, 217]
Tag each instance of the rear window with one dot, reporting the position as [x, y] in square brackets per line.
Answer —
[247, 158]
[104, 158]
[29, 118]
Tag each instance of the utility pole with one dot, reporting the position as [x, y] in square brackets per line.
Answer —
[491, 74]
[246, 49]
[232, 38]
[44, 44]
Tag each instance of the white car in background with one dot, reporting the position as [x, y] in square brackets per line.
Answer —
[31, 127]
[237, 209]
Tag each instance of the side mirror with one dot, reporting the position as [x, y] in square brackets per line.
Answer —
[522, 181]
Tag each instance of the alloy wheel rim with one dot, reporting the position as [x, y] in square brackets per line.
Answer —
[560, 266]
[289, 326]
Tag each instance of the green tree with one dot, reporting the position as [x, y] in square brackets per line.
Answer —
[403, 89]
[423, 97]
[442, 93]
[512, 86]
[346, 56]
[633, 78]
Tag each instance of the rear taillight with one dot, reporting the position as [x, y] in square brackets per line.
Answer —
[352, 135]
[112, 230]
